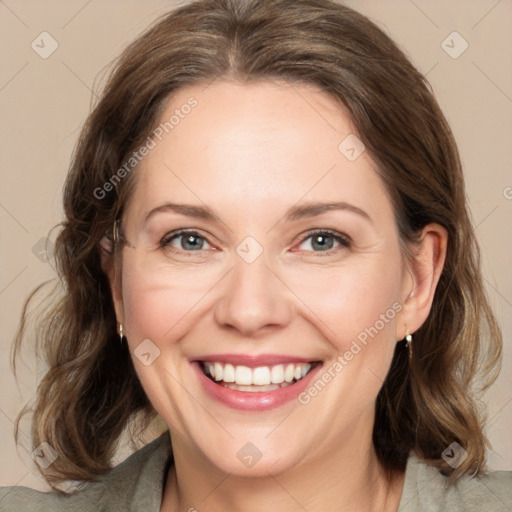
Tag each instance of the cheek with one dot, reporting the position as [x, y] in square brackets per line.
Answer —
[356, 302]
[159, 303]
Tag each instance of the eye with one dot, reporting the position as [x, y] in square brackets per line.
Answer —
[187, 240]
[322, 241]
[325, 240]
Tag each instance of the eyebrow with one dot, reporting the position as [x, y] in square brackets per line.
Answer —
[296, 212]
[189, 210]
[313, 209]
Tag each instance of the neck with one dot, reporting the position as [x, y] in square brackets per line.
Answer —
[355, 482]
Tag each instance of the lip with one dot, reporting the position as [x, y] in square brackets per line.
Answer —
[252, 361]
[259, 400]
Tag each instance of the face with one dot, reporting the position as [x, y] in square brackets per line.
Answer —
[303, 303]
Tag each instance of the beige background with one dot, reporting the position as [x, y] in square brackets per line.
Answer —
[45, 101]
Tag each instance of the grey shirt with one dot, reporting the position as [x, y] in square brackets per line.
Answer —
[137, 485]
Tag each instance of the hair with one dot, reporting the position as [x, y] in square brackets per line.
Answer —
[91, 392]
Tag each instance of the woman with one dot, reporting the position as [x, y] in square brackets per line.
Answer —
[267, 244]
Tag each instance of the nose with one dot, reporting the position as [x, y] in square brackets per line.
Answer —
[254, 299]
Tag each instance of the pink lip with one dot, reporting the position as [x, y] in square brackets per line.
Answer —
[252, 361]
[259, 400]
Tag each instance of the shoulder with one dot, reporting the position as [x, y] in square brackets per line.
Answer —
[426, 490]
[136, 482]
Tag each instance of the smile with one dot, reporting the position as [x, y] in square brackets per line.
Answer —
[254, 383]
[258, 379]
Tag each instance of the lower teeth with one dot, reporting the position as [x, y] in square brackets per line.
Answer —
[269, 387]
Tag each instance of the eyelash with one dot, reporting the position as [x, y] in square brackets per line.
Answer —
[343, 240]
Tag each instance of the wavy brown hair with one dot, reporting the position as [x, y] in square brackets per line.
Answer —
[91, 392]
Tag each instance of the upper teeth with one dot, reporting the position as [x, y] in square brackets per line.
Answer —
[259, 376]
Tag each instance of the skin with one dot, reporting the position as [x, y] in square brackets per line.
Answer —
[250, 152]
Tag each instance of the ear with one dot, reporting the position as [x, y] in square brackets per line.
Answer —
[113, 273]
[421, 277]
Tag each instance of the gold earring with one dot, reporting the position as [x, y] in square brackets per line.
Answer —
[115, 232]
[121, 333]
[408, 339]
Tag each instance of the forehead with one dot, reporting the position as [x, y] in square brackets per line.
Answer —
[254, 145]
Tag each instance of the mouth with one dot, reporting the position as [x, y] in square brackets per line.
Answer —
[257, 379]
[255, 383]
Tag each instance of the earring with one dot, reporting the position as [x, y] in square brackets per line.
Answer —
[408, 339]
[121, 333]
